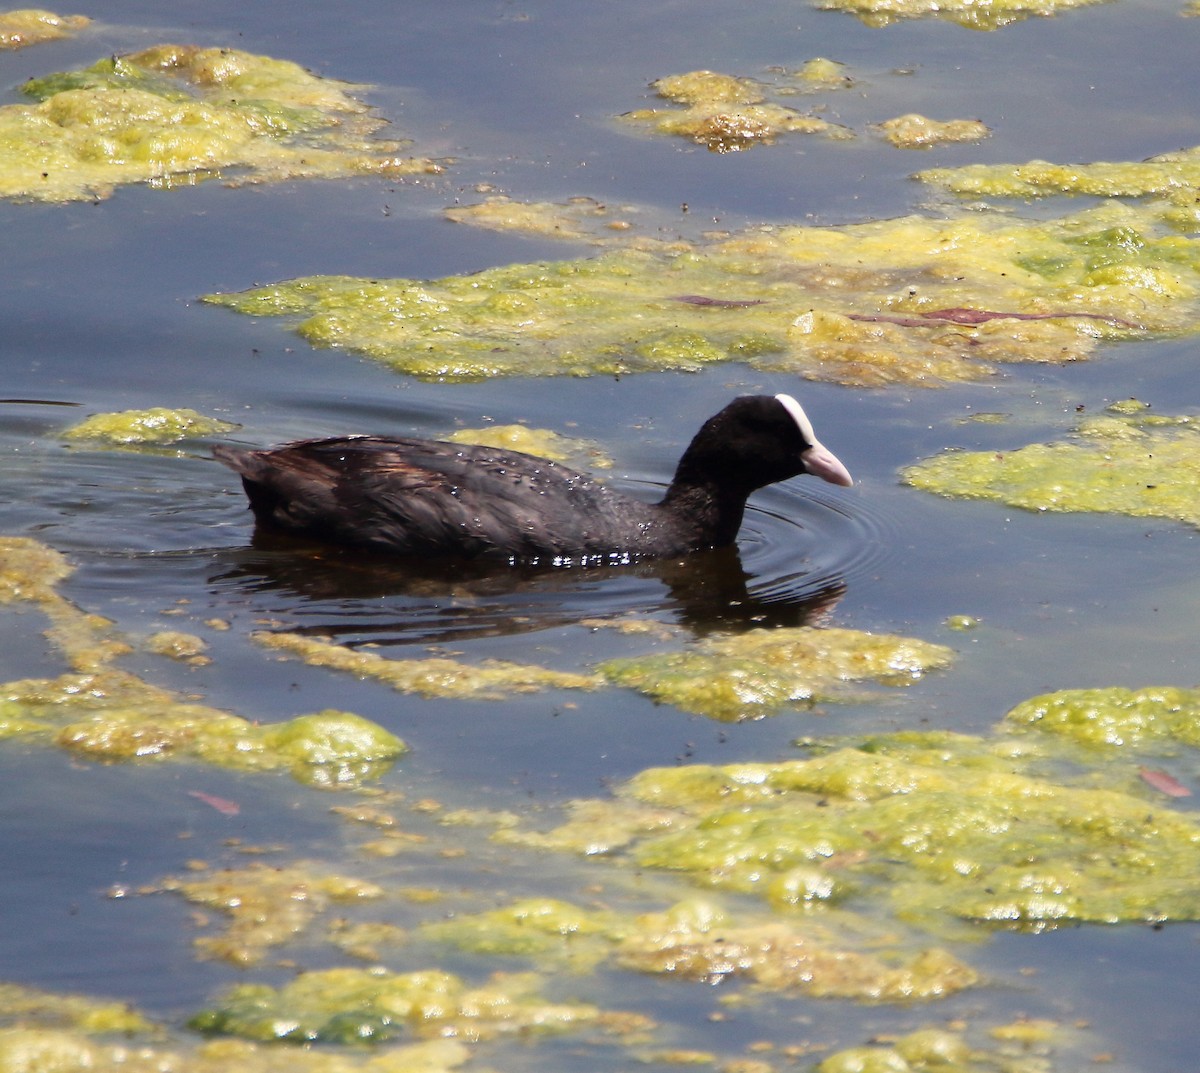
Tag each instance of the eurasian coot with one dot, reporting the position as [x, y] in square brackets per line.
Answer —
[427, 497]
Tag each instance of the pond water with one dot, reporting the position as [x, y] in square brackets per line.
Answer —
[101, 313]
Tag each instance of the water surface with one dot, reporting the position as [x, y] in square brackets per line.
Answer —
[100, 313]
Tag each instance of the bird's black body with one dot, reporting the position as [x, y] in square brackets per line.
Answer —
[432, 498]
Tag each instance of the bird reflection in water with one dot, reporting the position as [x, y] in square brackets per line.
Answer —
[356, 596]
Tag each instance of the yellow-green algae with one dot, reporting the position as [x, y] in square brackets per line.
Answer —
[1115, 716]
[533, 926]
[973, 14]
[374, 1005]
[432, 677]
[43, 1032]
[32, 26]
[544, 443]
[1023, 1046]
[914, 300]
[105, 713]
[913, 131]
[577, 219]
[33, 1008]
[1126, 461]
[824, 73]
[29, 572]
[697, 940]
[112, 715]
[267, 906]
[725, 113]
[757, 673]
[1169, 181]
[934, 825]
[1158, 175]
[176, 644]
[157, 425]
[176, 114]
[40, 1051]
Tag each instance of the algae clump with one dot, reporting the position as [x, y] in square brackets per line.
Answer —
[697, 940]
[1022, 1046]
[914, 300]
[176, 114]
[266, 906]
[1160, 174]
[757, 673]
[914, 131]
[55, 1033]
[372, 1006]
[115, 716]
[1151, 716]
[578, 219]
[157, 425]
[431, 677]
[724, 113]
[109, 714]
[990, 15]
[1168, 181]
[31, 1008]
[932, 825]
[1126, 462]
[32, 26]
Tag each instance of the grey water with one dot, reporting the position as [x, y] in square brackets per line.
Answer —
[99, 312]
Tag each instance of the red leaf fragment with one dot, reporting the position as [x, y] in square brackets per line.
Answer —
[1163, 782]
[223, 805]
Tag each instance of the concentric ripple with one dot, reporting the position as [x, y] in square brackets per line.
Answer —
[798, 552]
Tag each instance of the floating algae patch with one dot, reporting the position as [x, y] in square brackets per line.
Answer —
[1121, 463]
[760, 672]
[104, 713]
[930, 826]
[915, 300]
[534, 927]
[1159, 175]
[32, 26]
[577, 219]
[60, 1033]
[373, 1005]
[697, 940]
[823, 73]
[1160, 716]
[176, 114]
[174, 644]
[913, 131]
[157, 425]
[1022, 1046]
[725, 113]
[543, 443]
[29, 572]
[433, 677]
[31, 1008]
[111, 715]
[989, 15]
[63, 1051]
[1169, 181]
[266, 906]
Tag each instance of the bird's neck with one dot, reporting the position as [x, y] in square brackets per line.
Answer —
[712, 511]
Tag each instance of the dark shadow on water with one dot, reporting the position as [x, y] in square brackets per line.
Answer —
[358, 596]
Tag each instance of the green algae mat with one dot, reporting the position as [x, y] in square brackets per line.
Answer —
[103, 713]
[175, 115]
[1127, 461]
[918, 300]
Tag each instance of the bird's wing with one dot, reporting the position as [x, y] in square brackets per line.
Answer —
[425, 496]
